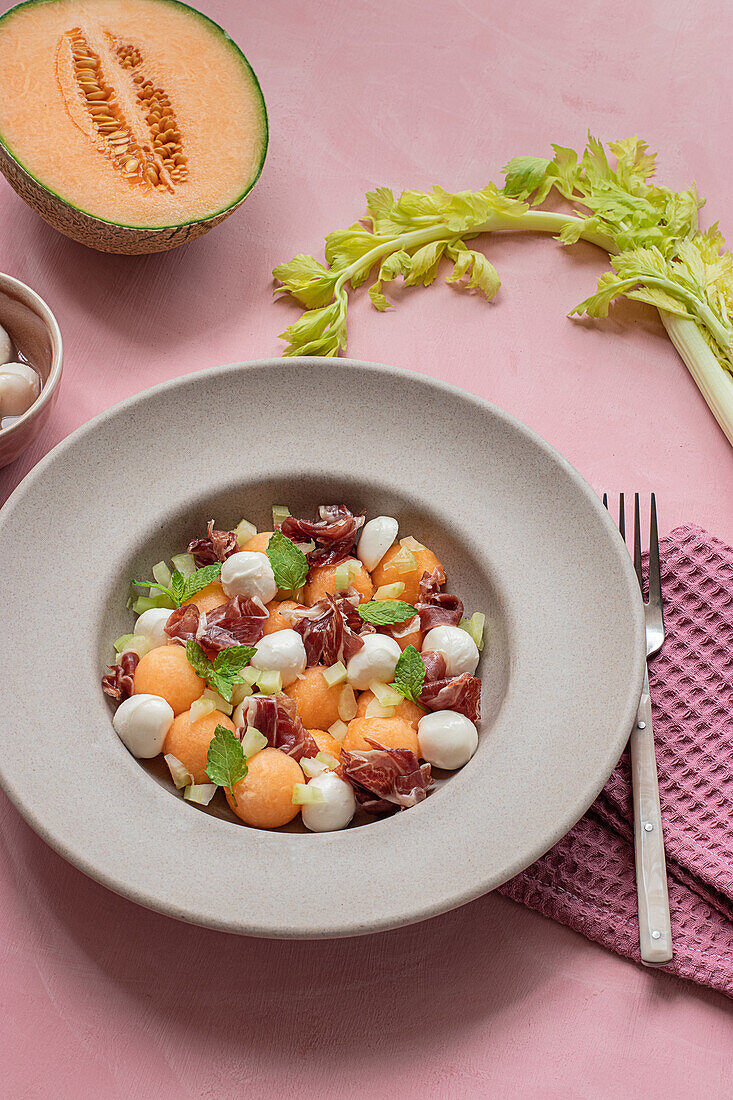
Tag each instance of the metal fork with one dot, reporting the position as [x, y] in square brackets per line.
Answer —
[655, 934]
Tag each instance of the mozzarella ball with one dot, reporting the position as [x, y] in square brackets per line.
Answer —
[376, 660]
[337, 808]
[19, 387]
[376, 538]
[6, 346]
[142, 722]
[447, 739]
[281, 652]
[151, 623]
[457, 646]
[248, 574]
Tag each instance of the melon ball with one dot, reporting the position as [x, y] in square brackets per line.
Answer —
[322, 581]
[276, 620]
[258, 543]
[264, 798]
[165, 671]
[189, 741]
[414, 636]
[394, 733]
[316, 702]
[387, 573]
[410, 712]
[210, 597]
[326, 743]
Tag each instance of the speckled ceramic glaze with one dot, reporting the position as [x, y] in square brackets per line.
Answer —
[522, 536]
[33, 329]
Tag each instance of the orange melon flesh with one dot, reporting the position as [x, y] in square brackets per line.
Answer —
[183, 128]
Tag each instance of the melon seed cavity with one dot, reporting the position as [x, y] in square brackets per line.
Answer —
[155, 160]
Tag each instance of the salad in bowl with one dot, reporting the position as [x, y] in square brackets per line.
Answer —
[316, 669]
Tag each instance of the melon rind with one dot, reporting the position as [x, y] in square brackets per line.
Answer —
[107, 236]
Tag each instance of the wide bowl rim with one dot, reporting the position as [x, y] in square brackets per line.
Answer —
[480, 885]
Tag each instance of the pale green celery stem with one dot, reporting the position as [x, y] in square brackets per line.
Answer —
[714, 382]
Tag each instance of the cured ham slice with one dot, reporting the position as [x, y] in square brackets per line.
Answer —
[217, 546]
[334, 533]
[437, 608]
[385, 780]
[276, 718]
[330, 629]
[119, 682]
[239, 621]
[459, 693]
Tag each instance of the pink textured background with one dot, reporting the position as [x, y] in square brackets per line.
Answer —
[101, 998]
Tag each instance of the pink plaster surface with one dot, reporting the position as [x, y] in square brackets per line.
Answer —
[104, 999]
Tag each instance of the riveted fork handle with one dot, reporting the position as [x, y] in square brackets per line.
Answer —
[655, 933]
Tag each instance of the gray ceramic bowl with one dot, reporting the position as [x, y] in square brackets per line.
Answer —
[523, 539]
[33, 329]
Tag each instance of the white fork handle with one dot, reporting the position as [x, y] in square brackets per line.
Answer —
[655, 933]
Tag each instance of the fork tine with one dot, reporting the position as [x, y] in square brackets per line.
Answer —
[622, 516]
[655, 580]
[637, 543]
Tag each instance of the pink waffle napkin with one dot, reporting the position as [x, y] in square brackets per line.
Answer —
[587, 881]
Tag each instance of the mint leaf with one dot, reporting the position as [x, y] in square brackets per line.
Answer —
[289, 564]
[386, 612]
[409, 674]
[198, 660]
[194, 582]
[226, 763]
[183, 587]
[178, 586]
[223, 674]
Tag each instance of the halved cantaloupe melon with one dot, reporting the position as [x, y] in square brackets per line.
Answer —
[129, 125]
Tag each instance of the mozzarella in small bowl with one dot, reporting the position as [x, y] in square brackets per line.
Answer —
[248, 573]
[151, 624]
[376, 538]
[142, 722]
[19, 388]
[281, 652]
[376, 660]
[457, 646]
[337, 808]
[447, 739]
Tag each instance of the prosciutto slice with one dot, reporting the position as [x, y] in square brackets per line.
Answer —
[119, 682]
[330, 629]
[276, 718]
[239, 621]
[437, 608]
[217, 546]
[435, 665]
[459, 693]
[385, 779]
[183, 624]
[334, 533]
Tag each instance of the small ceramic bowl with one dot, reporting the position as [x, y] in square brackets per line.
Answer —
[35, 332]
